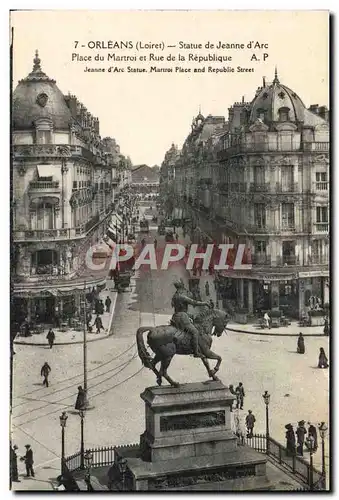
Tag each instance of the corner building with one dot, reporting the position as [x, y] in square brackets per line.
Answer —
[269, 189]
[64, 180]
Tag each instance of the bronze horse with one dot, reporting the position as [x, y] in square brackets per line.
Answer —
[166, 341]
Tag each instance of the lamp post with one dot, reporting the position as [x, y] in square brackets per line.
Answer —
[322, 431]
[122, 464]
[63, 419]
[310, 444]
[266, 397]
[82, 449]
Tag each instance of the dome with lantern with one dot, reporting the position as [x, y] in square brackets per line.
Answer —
[276, 102]
[38, 97]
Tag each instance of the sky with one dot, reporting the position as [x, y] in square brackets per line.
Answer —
[147, 112]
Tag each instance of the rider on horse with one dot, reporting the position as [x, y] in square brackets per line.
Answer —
[181, 318]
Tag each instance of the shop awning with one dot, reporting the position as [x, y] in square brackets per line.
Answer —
[112, 234]
[116, 223]
[46, 170]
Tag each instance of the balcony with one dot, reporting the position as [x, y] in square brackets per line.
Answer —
[260, 147]
[321, 186]
[292, 187]
[51, 151]
[44, 185]
[321, 227]
[288, 226]
[287, 260]
[259, 188]
[316, 146]
[261, 260]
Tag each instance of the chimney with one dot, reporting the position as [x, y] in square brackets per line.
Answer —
[71, 101]
[314, 108]
[323, 112]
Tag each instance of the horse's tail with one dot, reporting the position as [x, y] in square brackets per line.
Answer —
[144, 355]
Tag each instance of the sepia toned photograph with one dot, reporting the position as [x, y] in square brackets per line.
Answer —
[170, 319]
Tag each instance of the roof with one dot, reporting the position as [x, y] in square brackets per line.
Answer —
[38, 97]
[270, 99]
[144, 173]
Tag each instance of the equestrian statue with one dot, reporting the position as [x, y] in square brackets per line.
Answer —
[184, 335]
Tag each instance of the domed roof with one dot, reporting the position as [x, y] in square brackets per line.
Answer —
[272, 98]
[37, 96]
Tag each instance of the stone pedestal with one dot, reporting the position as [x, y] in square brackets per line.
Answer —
[188, 444]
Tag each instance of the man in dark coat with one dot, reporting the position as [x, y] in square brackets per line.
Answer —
[240, 392]
[45, 371]
[312, 432]
[108, 304]
[50, 337]
[81, 399]
[250, 419]
[301, 344]
[290, 440]
[98, 324]
[207, 289]
[14, 464]
[101, 307]
[300, 432]
[28, 458]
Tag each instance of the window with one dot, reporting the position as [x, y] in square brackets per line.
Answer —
[261, 114]
[321, 176]
[287, 177]
[43, 137]
[260, 247]
[259, 175]
[287, 215]
[75, 185]
[284, 114]
[322, 214]
[260, 215]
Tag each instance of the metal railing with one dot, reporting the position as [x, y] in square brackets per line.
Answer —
[321, 227]
[44, 185]
[316, 146]
[103, 456]
[294, 464]
[321, 186]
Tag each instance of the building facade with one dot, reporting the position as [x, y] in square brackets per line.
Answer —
[64, 179]
[145, 182]
[262, 179]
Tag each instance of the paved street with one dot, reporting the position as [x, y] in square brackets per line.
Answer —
[299, 390]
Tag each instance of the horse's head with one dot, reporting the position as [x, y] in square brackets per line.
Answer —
[210, 317]
[220, 320]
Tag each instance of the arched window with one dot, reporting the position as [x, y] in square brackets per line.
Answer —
[43, 131]
[261, 114]
[284, 114]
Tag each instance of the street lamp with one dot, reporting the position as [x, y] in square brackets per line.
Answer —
[310, 444]
[323, 431]
[266, 397]
[63, 419]
[82, 449]
[122, 464]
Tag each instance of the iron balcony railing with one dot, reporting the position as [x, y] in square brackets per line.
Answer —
[261, 147]
[321, 227]
[44, 185]
[321, 186]
[316, 146]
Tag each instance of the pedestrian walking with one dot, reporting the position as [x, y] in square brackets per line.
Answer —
[326, 328]
[312, 433]
[50, 337]
[98, 323]
[301, 344]
[155, 243]
[80, 403]
[14, 464]
[300, 432]
[101, 307]
[240, 393]
[322, 361]
[250, 420]
[108, 303]
[207, 289]
[290, 440]
[29, 462]
[45, 371]
[267, 320]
